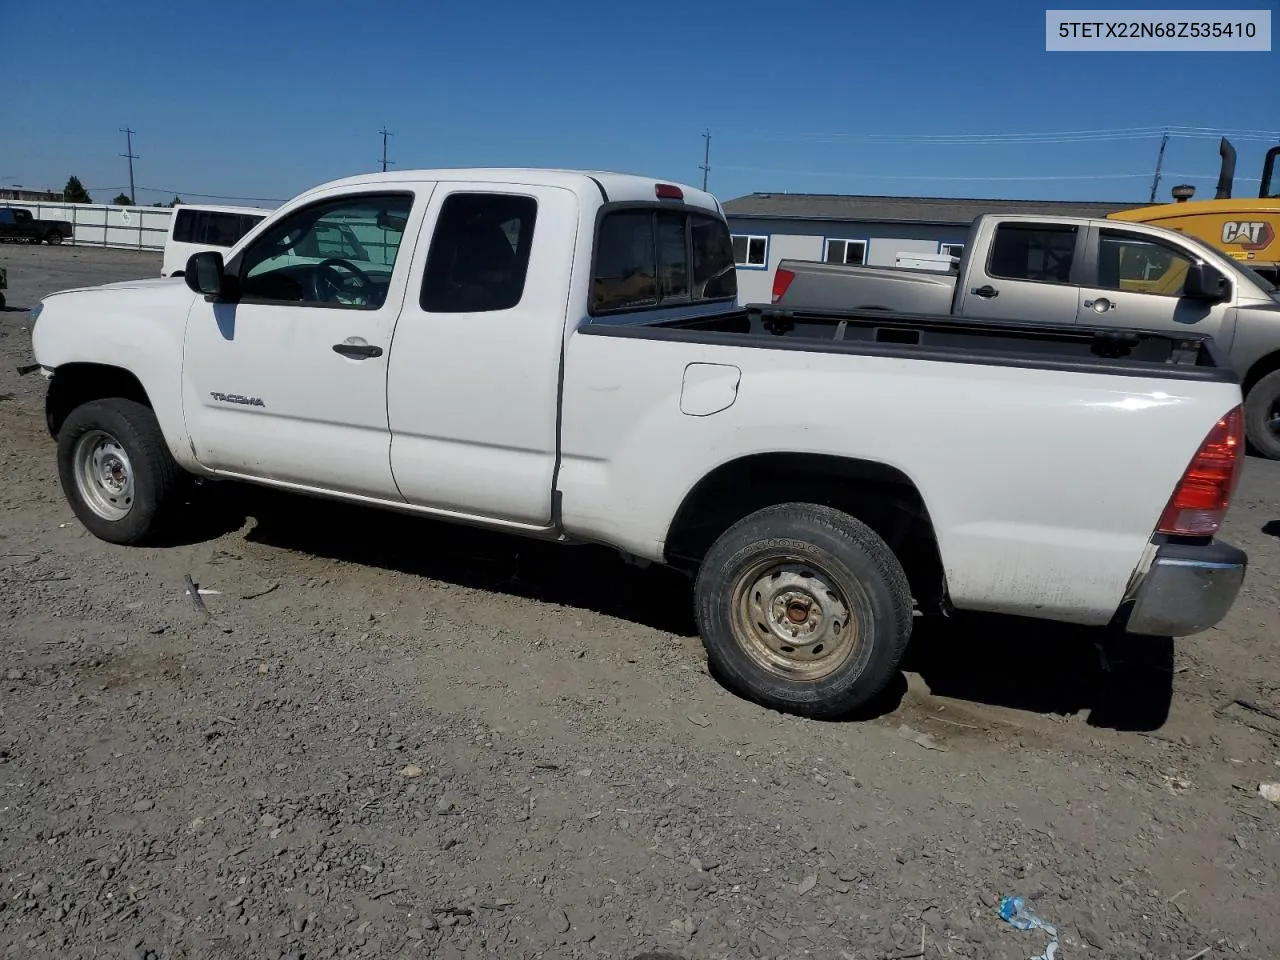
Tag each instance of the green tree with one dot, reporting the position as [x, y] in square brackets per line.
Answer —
[175, 201]
[74, 192]
[122, 200]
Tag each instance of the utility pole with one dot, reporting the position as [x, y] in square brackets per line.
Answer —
[1155, 181]
[385, 133]
[706, 157]
[128, 140]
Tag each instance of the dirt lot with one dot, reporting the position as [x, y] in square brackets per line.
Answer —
[396, 738]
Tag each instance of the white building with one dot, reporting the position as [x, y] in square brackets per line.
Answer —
[768, 227]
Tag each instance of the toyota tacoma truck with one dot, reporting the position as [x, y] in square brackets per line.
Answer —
[1064, 270]
[18, 224]
[560, 355]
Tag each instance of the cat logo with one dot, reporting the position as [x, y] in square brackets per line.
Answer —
[1250, 235]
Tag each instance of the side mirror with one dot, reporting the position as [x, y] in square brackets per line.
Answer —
[204, 274]
[1204, 282]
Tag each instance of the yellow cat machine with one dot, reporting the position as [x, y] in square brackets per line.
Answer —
[1246, 229]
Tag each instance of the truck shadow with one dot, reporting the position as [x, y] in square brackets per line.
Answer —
[1123, 682]
[1030, 665]
[587, 577]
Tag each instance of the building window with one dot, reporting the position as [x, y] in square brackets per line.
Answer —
[951, 249]
[749, 251]
[846, 251]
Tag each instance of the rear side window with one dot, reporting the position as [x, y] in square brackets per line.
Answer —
[648, 257]
[479, 255]
[212, 228]
[1033, 252]
[714, 277]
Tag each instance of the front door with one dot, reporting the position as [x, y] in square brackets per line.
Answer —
[1031, 274]
[1136, 281]
[289, 382]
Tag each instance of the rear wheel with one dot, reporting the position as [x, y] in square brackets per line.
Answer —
[1262, 416]
[804, 609]
[53, 239]
[116, 471]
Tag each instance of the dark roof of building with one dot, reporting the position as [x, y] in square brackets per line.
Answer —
[826, 206]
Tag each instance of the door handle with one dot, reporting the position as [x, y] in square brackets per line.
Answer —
[357, 351]
[987, 292]
[1101, 305]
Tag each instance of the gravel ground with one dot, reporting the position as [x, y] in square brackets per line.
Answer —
[391, 737]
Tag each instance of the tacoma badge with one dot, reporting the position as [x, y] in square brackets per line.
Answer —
[237, 398]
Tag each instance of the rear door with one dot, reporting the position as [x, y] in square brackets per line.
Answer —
[473, 385]
[1136, 280]
[1031, 273]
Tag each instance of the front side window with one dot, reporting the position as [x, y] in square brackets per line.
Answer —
[846, 251]
[479, 255]
[1138, 264]
[184, 226]
[1033, 252]
[310, 256]
[649, 257]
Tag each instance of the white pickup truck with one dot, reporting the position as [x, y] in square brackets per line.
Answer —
[560, 355]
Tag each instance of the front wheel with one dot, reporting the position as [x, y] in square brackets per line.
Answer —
[1262, 416]
[116, 471]
[803, 609]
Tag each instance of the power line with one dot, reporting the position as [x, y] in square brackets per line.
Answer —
[1064, 136]
[188, 193]
[845, 174]
[128, 139]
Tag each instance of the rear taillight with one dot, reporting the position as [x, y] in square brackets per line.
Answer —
[1200, 502]
[781, 281]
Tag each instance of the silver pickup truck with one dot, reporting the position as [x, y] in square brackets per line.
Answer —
[1063, 270]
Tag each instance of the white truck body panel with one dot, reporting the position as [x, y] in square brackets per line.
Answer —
[1027, 517]
[517, 418]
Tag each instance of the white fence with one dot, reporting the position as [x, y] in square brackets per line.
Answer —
[104, 225]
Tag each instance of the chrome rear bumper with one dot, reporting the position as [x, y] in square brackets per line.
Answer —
[1187, 589]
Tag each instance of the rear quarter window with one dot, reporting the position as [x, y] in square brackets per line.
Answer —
[654, 256]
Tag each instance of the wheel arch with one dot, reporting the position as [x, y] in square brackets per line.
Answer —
[1261, 367]
[880, 495]
[74, 384]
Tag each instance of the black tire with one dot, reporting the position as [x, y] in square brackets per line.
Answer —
[155, 476]
[53, 239]
[1258, 414]
[809, 545]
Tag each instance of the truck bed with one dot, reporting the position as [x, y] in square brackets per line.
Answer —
[862, 287]
[1100, 349]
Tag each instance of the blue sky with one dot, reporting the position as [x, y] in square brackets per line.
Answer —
[265, 99]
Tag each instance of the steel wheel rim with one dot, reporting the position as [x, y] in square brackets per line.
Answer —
[103, 475]
[793, 620]
[1273, 416]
